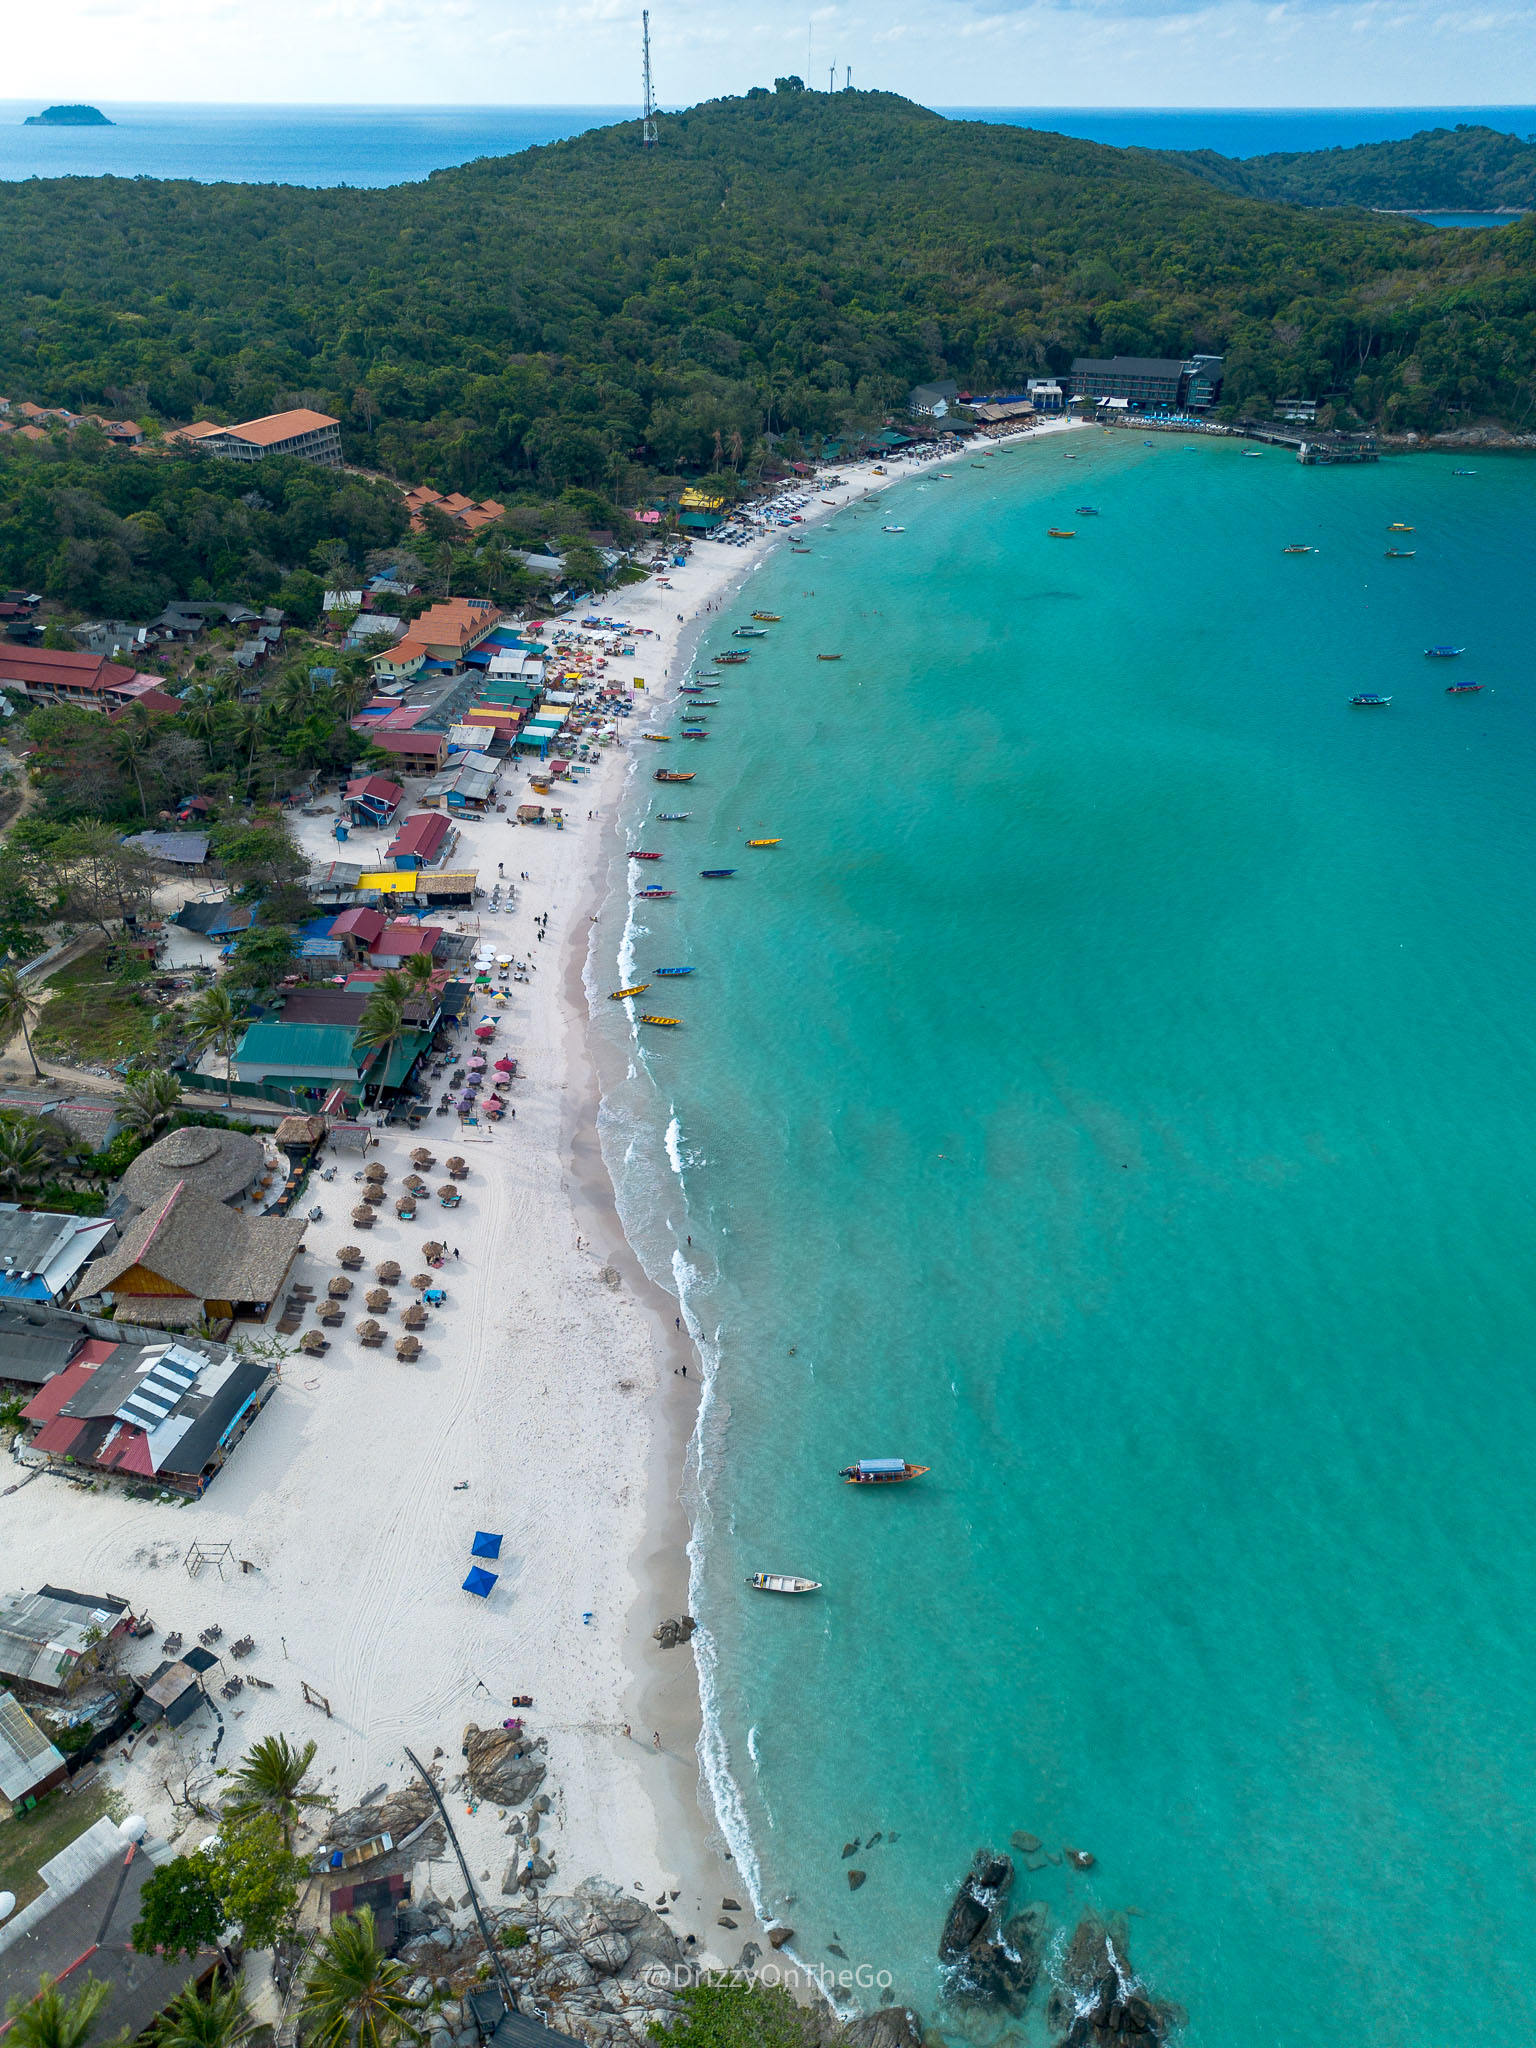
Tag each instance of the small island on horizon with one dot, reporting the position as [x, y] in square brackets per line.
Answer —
[69, 117]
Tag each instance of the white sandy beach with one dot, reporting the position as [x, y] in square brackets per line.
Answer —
[546, 1406]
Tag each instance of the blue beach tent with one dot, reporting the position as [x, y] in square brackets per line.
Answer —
[485, 1544]
[479, 1582]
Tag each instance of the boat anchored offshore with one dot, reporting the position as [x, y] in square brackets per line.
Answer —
[1401, 554]
[1368, 700]
[619, 994]
[768, 618]
[881, 1472]
[893, 529]
[764, 842]
[829, 657]
[1297, 547]
[636, 854]
[1443, 653]
[782, 1582]
[1061, 533]
[749, 633]
[672, 817]
[716, 874]
[670, 973]
[670, 1023]
[653, 895]
[1397, 526]
[1461, 689]
[674, 775]
[1087, 511]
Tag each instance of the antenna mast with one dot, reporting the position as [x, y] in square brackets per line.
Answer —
[648, 124]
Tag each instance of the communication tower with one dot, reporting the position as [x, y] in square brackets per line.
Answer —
[648, 124]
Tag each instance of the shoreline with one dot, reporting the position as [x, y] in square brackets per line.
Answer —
[670, 1693]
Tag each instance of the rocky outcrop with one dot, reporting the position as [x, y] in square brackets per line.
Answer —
[503, 1765]
[893, 2026]
[673, 1633]
[986, 1882]
[1097, 1998]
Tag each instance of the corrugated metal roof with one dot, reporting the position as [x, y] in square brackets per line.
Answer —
[301, 1048]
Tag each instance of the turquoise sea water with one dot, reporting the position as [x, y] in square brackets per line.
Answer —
[1116, 1094]
[351, 145]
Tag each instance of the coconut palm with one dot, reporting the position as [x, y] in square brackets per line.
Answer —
[29, 1152]
[382, 1025]
[19, 1009]
[215, 1024]
[51, 2020]
[355, 1993]
[148, 1100]
[221, 2020]
[133, 742]
[270, 1779]
[418, 970]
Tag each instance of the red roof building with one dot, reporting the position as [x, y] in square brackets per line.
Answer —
[419, 841]
[51, 675]
[401, 940]
[418, 753]
[362, 926]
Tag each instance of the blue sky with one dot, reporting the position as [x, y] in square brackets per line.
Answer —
[945, 52]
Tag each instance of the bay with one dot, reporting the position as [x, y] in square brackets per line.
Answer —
[1114, 1093]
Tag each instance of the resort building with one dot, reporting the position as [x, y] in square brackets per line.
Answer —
[53, 1638]
[41, 1251]
[81, 1926]
[30, 1765]
[932, 401]
[312, 436]
[53, 675]
[1158, 383]
[190, 1259]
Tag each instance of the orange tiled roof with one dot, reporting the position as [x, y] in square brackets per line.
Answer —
[281, 426]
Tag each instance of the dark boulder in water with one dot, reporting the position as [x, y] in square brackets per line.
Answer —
[985, 1885]
[1098, 1998]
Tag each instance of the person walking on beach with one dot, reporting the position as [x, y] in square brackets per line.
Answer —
[655, 1739]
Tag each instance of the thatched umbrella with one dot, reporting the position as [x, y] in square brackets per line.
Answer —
[433, 1250]
[388, 1271]
[458, 1167]
[407, 1350]
[374, 1196]
[405, 1208]
[376, 1173]
[350, 1256]
[422, 1157]
[377, 1298]
[423, 1281]
[331, 1314]
[415, 1183]
[339, 1288]
[362, 1219]
[414, 1317]
[370, 1333]
[313, 1343]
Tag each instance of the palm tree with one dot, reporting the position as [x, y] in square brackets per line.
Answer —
[221, 2020]
[133, 741]
[382, 1025]
[50, 2020]
[356, 1994]
[270, 1779]
[19, 1009]
[29, 1152]
[214, 1024]
[147, 1101]
[419, 970]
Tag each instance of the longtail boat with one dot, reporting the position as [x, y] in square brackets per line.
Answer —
[782, 1582]
[669, 1022]
[636, 854]
[829, 657]
[716, 874]
[619, 994]
[671, 973]
[764, 842]
[674, 775]
[1061, 532]
[881, 1472]
[768, 618]
[1461, 689]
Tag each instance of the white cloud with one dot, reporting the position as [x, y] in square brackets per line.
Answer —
[586, 52]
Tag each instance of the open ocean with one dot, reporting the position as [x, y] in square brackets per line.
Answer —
[1116, 1093]
[392, 145]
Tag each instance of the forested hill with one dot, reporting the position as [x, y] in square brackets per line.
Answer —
[789, 260]
[1452, 170]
